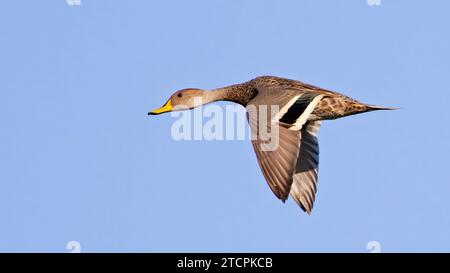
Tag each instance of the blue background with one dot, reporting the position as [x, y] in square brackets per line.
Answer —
[80, 159]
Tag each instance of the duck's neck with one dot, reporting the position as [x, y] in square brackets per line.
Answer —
[239, 93]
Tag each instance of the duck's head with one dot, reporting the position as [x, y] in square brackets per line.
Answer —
[181, 100]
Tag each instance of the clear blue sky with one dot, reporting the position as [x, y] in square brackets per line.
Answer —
[80, 159]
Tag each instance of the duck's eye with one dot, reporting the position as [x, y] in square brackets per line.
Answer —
[180, 95]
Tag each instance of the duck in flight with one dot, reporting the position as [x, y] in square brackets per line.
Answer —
[292, 167]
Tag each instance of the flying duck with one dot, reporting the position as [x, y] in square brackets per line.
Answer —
[291, 168]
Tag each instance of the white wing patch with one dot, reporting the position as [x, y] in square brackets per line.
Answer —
[304, 117]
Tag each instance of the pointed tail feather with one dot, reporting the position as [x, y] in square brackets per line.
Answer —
[375, 107]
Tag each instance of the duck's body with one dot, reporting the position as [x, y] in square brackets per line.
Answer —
[270, 90]
[296, 109]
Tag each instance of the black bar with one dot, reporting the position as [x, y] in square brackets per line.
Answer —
[220, 262]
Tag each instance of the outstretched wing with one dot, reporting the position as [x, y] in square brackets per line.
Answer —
[292, 167]
[277, 164]
[304, 186]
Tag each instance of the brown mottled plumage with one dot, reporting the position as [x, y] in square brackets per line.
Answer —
[291, 168]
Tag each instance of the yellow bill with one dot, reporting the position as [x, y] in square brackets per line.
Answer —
[166, 108]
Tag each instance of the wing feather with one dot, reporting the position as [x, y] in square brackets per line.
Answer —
[304, 186]
[277, 165]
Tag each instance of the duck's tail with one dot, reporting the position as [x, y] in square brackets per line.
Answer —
[375, 107]
[356, 107]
